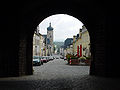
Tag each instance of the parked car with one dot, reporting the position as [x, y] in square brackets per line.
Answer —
[36, 61]
[44, 59]
[56, 57]
[62, 57]
[48, 58]
[41, 60]
[51, 58]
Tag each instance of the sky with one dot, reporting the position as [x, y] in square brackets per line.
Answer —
[65, 26]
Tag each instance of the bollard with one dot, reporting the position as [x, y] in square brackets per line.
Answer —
[70, 61]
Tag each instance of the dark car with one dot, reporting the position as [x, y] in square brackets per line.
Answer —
[62, 57]
[36, 61]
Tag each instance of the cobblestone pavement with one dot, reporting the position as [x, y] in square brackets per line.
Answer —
[57, 75]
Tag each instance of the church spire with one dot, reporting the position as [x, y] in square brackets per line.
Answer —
[50, 24]
[50, 28]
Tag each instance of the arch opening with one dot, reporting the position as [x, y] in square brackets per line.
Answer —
[62, 35]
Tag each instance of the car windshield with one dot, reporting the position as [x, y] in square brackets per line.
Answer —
[35, 57]
[44, 57]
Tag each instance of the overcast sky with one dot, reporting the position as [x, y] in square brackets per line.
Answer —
[65, 26]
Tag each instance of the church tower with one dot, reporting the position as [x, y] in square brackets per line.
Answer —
[50, 39]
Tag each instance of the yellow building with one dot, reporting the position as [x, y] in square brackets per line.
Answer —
[81, 43]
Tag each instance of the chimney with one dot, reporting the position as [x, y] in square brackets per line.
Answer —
[80, 33]
[74, 38]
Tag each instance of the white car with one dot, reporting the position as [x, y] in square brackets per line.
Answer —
[51, 58]
[36, 60]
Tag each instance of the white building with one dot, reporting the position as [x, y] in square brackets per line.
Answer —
[36, 44]
[62, 50]
[39, 44]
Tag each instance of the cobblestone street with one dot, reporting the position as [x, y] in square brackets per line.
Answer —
[57, 75]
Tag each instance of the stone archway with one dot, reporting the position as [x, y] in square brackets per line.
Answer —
[30, 14]
[95, 25]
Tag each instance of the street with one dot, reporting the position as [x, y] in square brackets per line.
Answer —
[57, 75]
[58, 69]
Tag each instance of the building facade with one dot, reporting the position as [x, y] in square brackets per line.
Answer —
[36, 43]
[68, 47]
[39, 44]
[62, 50]
[81, 43]
[43, 45]
[68, 42]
